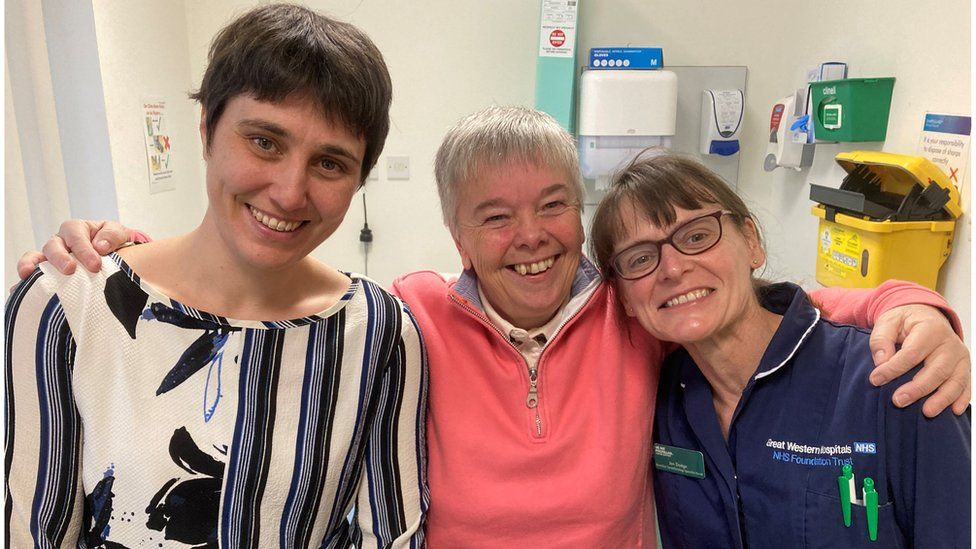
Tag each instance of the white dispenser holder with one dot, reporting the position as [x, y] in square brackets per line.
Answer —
[787, 147]
[721, 120]
[621, 113]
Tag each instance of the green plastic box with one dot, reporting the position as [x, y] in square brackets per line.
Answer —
[853, 109]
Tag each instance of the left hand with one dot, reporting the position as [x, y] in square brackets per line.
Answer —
[926, 337]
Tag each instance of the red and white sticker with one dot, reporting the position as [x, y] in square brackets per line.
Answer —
[557, 38]
[557, 30]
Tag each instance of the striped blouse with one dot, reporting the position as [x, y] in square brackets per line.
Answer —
[133, 420]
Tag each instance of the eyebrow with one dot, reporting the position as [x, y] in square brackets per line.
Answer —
[283, 133]
[488, 204]
[498, 202]
[554, 188]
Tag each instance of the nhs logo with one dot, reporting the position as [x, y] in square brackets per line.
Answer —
[865, 448]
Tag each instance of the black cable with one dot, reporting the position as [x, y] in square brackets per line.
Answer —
[365, 236]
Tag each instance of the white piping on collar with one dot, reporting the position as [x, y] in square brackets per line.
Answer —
[793, 352]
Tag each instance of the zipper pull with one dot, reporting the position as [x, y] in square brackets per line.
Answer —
[533, 399]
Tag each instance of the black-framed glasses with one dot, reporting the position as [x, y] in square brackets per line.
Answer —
[696, 236]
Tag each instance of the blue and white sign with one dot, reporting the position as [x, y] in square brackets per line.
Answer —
[945, 141]
[626, 58]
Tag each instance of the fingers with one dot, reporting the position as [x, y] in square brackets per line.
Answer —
[945, 369]
[57, 254]
[949, 392]
[109, 237]
[910, 355]
[77, 237]
[961, 404]
[882, 343]
[884, 336]
[28, 262]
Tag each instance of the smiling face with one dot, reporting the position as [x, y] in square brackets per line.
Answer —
[519, 229]
[280, 177]
[690, 299]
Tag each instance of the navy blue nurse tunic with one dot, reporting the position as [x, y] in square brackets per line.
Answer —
[807, 411]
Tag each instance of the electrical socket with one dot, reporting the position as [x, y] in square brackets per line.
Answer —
[398, 167]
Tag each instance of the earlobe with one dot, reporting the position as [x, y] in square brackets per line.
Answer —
[465, 259]
[757, 253]
[627, 308]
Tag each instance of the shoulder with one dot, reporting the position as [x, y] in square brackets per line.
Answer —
[47, 284]
[851, 342]
[386, 309]
[422, 289]
[845, 353]
[421, 282]
[31, 295]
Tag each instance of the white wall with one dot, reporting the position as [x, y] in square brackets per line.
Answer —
[143, 52]
[449, 58]
[19, 235]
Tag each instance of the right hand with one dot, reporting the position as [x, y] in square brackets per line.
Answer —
[87, 240]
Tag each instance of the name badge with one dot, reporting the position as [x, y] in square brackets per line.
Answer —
[679, 460]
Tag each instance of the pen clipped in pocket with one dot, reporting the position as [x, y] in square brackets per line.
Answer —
[823, 525]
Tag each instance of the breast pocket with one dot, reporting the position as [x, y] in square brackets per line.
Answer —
[690, 511]
[823, 525]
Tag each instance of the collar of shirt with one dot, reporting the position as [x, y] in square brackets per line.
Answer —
[800, 318]
[519, 336]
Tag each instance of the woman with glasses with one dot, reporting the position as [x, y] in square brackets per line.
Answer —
[767, 431]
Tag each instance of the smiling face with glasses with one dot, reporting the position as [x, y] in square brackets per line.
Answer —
[691, 280]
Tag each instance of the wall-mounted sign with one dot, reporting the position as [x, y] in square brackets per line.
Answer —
[159, 154]
[945, 141]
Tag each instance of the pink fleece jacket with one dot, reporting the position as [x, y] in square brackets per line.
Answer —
[578, 475]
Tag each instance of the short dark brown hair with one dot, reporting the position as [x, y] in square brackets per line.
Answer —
[655, 183]
[274, 51]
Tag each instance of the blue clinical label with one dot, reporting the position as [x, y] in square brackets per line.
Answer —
[682, 461]
[948, 123]
[626, 58]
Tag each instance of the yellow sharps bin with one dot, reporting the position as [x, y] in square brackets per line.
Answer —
[892, 217]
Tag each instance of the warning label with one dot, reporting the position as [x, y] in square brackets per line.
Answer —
[840, 250]
[557, 31]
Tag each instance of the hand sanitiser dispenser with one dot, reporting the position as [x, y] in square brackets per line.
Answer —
[621, 113]
[721, 120]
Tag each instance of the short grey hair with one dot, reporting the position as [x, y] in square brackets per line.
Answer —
[498, 135]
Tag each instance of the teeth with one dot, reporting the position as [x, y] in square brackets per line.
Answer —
[534, 268]
[690, 296]
[274, 224]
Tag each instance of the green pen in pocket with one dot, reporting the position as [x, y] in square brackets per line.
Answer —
[845, 483]
[848, 497]
[871, 506]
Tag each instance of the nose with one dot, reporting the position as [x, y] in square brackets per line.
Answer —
[673, 264]
[289, 186]
[531, 232]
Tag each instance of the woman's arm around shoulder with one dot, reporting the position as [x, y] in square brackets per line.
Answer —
[928, 331]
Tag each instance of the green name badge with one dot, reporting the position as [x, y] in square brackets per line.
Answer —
[679, 460]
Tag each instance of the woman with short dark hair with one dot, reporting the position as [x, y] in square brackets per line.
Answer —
[222, 388]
